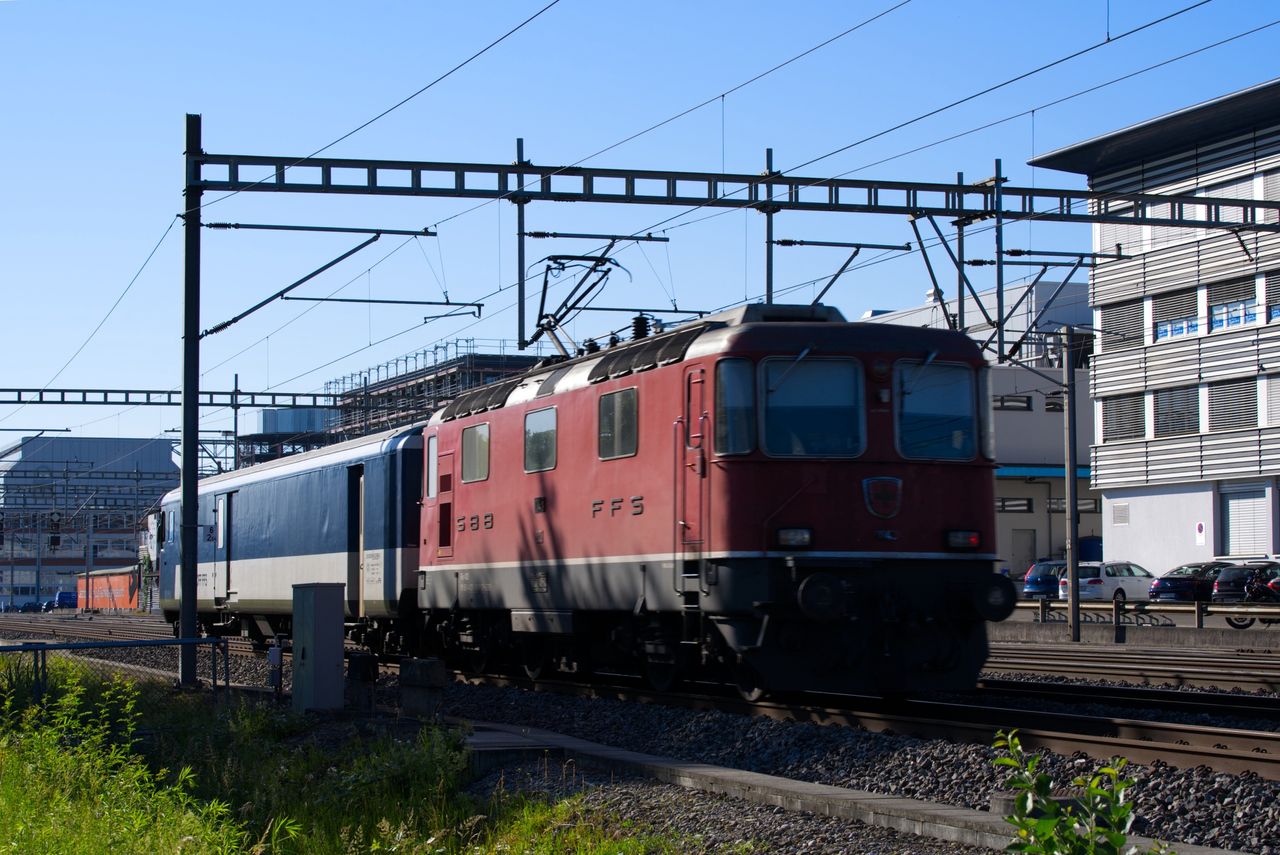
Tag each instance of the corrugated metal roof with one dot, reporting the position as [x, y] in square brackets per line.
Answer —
[1216, 119]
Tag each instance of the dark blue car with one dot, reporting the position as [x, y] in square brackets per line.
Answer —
[1041, 582]
[1188, 583]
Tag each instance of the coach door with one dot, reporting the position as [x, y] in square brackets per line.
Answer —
[222, 548]
[355, 540]
[691, 447]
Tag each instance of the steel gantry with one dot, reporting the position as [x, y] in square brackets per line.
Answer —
[523, 182]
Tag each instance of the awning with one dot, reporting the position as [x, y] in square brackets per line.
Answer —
[1039, 471]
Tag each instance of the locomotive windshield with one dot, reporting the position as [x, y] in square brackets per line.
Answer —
[937, 417]
[812, 407]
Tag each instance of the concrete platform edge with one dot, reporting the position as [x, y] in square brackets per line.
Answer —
[941, 822]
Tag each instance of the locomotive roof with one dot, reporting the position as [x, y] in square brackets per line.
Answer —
[756, 324]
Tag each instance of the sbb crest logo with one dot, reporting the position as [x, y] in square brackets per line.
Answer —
[883, 496]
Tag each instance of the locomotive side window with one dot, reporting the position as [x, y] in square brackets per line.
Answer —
[937, 417]
[813, 407]
[540, 440]
[618, 433]
[735, 427]
[433, 467]
[475, 453]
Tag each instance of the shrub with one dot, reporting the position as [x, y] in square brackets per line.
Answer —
[1095, 821]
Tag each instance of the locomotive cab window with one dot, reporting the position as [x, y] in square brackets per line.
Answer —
[475, 453]
[540, 440]
[433, 466]
[812, 406]
[936, 410]
[617, 426]
[735, 426]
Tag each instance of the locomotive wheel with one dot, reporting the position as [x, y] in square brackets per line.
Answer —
[1239, 622]
[747, 682]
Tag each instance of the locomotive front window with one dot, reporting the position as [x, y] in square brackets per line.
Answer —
[540, 440]
[937, 416]
[735, 427]
[812, 407]
[433, 466]
[475, 454]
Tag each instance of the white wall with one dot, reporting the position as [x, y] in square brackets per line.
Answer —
[1161, 533]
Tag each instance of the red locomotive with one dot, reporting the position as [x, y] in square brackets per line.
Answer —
[772, 495]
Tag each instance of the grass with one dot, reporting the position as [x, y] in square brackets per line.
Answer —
[83, 771]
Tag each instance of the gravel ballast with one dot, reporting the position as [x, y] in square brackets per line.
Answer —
[1192, 806]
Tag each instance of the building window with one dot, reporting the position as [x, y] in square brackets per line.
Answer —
[1273, 295]
[1124, 320]
[1083, 506]
[1011, 505]
[617, 426]
[540, 440]
[1012, 402]
[1177, 411]
[1233, 404]
[1123, 418]
[1054, 404]
[475, 453]
[1174, 315]
[1232, 304]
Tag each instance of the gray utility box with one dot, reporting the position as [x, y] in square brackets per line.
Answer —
[317, 646]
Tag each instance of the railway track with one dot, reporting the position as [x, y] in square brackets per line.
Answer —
[1246, 669]
[1222, 749]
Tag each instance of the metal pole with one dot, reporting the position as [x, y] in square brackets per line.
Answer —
[235, 423]
[190, 404]
[88, 562]
[39, 552]
[520, 201]
[997, 196]
[1069, 418]
[768, 232]
[960, 256]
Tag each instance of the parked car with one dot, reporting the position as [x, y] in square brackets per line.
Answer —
[27, 608]
[66, 600]
[1232, 584]
[1041, 582]
[48, 605]
[1110, 580]
[1188, 583]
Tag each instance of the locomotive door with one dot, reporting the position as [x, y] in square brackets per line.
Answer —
[444, 506]
[222, 549]
[355, 540]
[691, 484]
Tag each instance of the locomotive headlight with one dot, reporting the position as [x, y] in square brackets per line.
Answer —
[795, 537]
[963, 540]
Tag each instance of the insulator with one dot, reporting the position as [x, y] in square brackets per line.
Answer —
[614, 340]
[591, 346]
[639, 327]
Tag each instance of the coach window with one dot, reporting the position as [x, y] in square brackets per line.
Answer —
[735, 427]
[618, 431]
[937, 417]
[540, 440]
[433, 466]
[475, 454]
[812, 407]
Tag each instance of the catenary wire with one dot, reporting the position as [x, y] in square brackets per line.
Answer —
[403, 101]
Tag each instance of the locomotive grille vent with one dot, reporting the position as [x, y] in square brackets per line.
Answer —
[643, 356]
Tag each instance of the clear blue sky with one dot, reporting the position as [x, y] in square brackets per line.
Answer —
[91, 167]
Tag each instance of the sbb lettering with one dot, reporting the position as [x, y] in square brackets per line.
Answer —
[617, 506]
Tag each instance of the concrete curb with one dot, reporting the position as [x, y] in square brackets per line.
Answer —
[942, 822]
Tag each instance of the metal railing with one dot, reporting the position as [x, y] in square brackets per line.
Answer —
[219, 658]
[1117, 609]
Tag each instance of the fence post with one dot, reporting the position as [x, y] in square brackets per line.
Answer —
[1200, 610]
